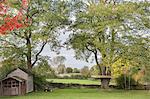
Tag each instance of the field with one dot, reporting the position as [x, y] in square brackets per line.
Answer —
[84, 94]
[75, 81]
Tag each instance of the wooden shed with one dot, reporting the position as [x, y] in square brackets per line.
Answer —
[17, 82]
[13, 86]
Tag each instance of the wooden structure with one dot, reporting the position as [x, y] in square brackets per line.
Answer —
[17, 82]
[105, 79]
[104, 76]
[13, 86]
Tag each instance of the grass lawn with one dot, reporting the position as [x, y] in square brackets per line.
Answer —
[84, 94]
[75, 81]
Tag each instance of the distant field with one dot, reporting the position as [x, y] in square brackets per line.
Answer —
[75, 81]
[84, 94]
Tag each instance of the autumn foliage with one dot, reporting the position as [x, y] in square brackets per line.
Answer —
[11, 22]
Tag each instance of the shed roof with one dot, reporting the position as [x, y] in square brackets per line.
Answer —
[14, 77]
[24, 70]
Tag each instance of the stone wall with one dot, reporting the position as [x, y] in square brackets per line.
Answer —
[62, 86]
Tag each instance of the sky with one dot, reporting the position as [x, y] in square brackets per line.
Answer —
[71, 61]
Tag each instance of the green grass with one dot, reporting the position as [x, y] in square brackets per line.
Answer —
[75, 81]
[84, 94]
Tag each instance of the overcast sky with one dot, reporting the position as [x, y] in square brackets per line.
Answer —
[71, 61]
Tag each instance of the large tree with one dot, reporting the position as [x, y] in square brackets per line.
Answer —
[58, 60]
[104, 29]
[43, 19]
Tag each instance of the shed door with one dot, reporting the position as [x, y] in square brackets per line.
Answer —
[15, 88]
[11, 87]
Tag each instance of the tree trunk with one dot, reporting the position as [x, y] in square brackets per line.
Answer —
[105, 83]
[98, 64]
[105, 79]
[29, 61]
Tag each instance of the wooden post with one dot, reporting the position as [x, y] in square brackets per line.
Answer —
[19, 90]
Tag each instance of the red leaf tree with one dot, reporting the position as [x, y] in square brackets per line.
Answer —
[15, 22]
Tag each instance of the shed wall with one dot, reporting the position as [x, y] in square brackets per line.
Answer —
[30, 84]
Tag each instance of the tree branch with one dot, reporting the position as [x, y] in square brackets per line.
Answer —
[10, 43]
[89, 49]
[94, 51]
[36, 56]
[98, 64]
[18, 35]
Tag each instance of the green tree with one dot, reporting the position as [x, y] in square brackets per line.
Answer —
[43, 69]
[61, 69]
[104, 29]
[94, 70]
[69, 70]
[58, 60]
[85, 71]
[45, 18]
[76, 70]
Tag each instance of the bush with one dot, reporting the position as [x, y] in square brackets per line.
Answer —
[125, 82]
[65, 77]
[69, 70]
[72, 77]
[77, 77]
[39, 82]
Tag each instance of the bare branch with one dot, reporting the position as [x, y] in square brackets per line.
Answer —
[36, 56]
[89, 49]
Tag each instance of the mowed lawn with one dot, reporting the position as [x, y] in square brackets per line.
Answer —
[84, 94]
[75, 81]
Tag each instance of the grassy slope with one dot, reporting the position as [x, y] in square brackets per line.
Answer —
[85, 94]
[75, 81]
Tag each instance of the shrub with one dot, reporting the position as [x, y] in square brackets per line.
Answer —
[77, 77]
[39, 82]
[66, 77]
[72, 77]
[125, 82]
[69, 70]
